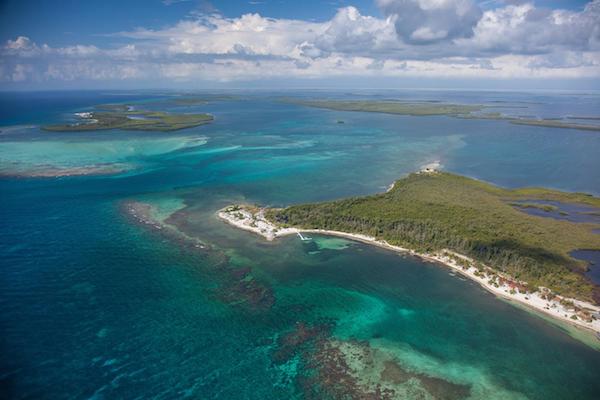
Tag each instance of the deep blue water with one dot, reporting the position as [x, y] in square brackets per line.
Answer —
[93, 305]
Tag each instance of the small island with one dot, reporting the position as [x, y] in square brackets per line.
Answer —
[125, 117]
[470, 226]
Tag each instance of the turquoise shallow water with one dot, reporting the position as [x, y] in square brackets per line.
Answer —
[95, 306]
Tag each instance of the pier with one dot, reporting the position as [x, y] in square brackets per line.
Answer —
[303, 238]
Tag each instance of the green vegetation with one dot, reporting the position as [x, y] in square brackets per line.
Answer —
[431, 109]
[528, 120]
[392, 107]
[434, 211]
[551, 123]
[120, 116]
[586, 118]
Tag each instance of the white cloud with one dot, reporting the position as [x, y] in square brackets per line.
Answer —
[442, 38]
[429, 21]
[525, 29]
[350, 32]
[20, 43]
[214, 34]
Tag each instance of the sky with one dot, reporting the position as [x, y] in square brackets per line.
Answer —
[195, 44]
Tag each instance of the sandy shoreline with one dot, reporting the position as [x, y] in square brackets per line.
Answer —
[573, 312]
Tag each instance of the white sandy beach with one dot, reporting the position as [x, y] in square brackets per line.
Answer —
[504, 286]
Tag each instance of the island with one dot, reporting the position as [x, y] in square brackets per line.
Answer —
[471, 226]
[391, 107]
[190, 100]
[465, 111]
[125, 117]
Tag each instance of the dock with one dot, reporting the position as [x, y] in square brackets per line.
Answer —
[304, 238]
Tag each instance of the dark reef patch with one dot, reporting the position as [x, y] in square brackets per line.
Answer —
[298, 340]
[239, 287]
[234, 286]
[330, 376]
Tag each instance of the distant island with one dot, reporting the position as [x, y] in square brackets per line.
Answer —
[125, 117]
[467, 111]
[206, 99]
[475, 228]
[391, 107]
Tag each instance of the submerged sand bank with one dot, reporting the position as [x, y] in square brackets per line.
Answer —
[61, 172]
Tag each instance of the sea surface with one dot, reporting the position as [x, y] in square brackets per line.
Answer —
[96, 305]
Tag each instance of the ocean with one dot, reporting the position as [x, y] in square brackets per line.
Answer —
[95, 304]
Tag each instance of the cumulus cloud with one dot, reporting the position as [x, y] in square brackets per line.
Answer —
[525, 29]
[20, 43]
[350, 32]
[428, 21]
[427, 38]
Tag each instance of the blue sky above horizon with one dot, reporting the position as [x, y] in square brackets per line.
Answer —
[54, 44]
